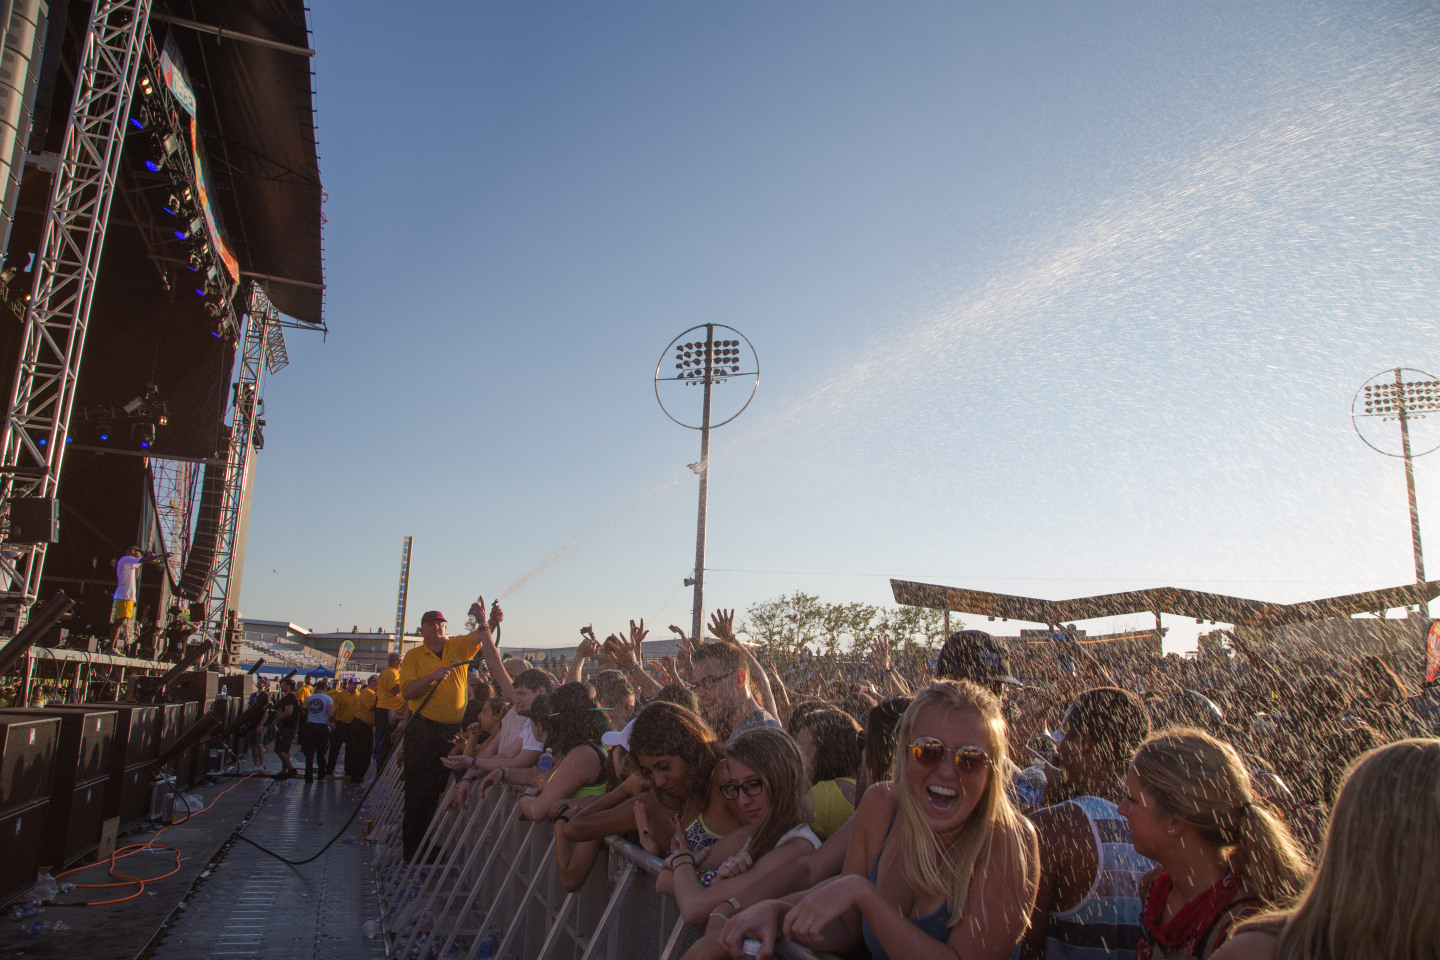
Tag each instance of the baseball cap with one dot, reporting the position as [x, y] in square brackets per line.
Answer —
[974, 655]
[433, 615]
[621, 739]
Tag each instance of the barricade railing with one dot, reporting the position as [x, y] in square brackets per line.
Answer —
[484, 875]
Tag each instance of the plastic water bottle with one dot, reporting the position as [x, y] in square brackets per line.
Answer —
[1030, 785]
[546, 763]
[487, 948]
[751, 947]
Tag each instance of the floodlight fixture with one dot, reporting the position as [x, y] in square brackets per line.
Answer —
[1405, 395]
[706, 362]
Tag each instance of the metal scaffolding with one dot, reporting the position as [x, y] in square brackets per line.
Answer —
[176, 487]
[38, 417]
[255, 356]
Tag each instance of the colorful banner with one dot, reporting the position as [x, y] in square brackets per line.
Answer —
[212, 221]
[1432, 652]
[175, 76]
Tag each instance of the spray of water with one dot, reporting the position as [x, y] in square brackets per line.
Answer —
[585, 536]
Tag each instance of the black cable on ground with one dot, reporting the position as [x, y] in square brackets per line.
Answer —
[391, 758]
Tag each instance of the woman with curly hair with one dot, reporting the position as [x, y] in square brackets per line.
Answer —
[766, 777]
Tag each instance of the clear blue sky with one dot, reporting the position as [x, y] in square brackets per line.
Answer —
[1051, 299]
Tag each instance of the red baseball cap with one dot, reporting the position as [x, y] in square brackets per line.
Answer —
[430, 615]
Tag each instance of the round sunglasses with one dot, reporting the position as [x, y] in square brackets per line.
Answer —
[732, 789]
[929, 751]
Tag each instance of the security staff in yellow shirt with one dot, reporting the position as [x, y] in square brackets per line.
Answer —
[344, 698]
[435, 680]
[362, 733]
[390, 707]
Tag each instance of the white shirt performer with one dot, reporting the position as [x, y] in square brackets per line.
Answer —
[127, 569]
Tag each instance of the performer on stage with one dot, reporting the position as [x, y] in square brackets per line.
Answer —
[126, 570]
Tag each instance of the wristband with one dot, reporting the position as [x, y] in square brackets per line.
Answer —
[467, 779]
[504, 774]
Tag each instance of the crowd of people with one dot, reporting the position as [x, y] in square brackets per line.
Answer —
[1234, 807]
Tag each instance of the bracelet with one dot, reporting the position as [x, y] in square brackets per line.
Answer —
[504, 774]
[474, 763]
[674, 859]
[467, 779]
[720, 915]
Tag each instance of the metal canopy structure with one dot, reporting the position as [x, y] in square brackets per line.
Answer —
[1160, 600]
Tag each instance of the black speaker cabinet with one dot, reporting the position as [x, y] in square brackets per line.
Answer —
[34, 520]
[129, 795]
[27, 764]
[172, 724]
[73, 826]
[238, 685]
[201, 685]
[86, 745]
[137, 731]
[22, 837]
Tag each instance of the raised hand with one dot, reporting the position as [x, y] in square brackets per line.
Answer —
[496, 614]
[637, 636]
[722, 624]
[667, 669]
[880, 654]
[619, 651]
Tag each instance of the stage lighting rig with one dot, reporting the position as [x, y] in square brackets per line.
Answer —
[162, 148]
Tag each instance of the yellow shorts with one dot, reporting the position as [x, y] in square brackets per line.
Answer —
[122, 610]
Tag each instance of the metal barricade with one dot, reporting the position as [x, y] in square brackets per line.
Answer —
[485, 876]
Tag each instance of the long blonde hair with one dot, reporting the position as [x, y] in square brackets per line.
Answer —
[1201, 780]
[1370, 896]
[941, 869]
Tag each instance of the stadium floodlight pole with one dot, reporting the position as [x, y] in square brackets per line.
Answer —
[1402, 400]
[706, 363]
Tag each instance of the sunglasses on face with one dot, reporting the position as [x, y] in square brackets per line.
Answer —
[705, 683]
[928, 752]
[732, 789]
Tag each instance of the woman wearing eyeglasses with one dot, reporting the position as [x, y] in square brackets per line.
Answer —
[940, 865]
[767, 781]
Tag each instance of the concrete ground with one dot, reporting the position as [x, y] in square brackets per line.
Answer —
[228, 899]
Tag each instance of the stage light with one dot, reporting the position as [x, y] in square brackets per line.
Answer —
[160, 152]
[138, 123]
[146, 87]
[104, 436]
[41, 441]
[172, 205]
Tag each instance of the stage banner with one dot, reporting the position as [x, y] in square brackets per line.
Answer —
[175, 76]
[1432, 652]
[212, 220]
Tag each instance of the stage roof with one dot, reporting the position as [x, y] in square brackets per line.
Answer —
[257, 117]
[1174, 600]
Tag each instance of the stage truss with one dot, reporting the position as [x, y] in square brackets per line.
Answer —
[38, 418]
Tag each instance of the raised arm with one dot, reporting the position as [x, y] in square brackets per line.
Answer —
[722, 625]
[630, 659]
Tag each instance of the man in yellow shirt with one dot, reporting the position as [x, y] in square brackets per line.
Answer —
[390, 707]
[435, 681]
[362, 733]
[340, 736]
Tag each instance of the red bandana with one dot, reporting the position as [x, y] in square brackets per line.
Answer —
[1191, 922]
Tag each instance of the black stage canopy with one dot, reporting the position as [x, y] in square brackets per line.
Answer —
[257, 117]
